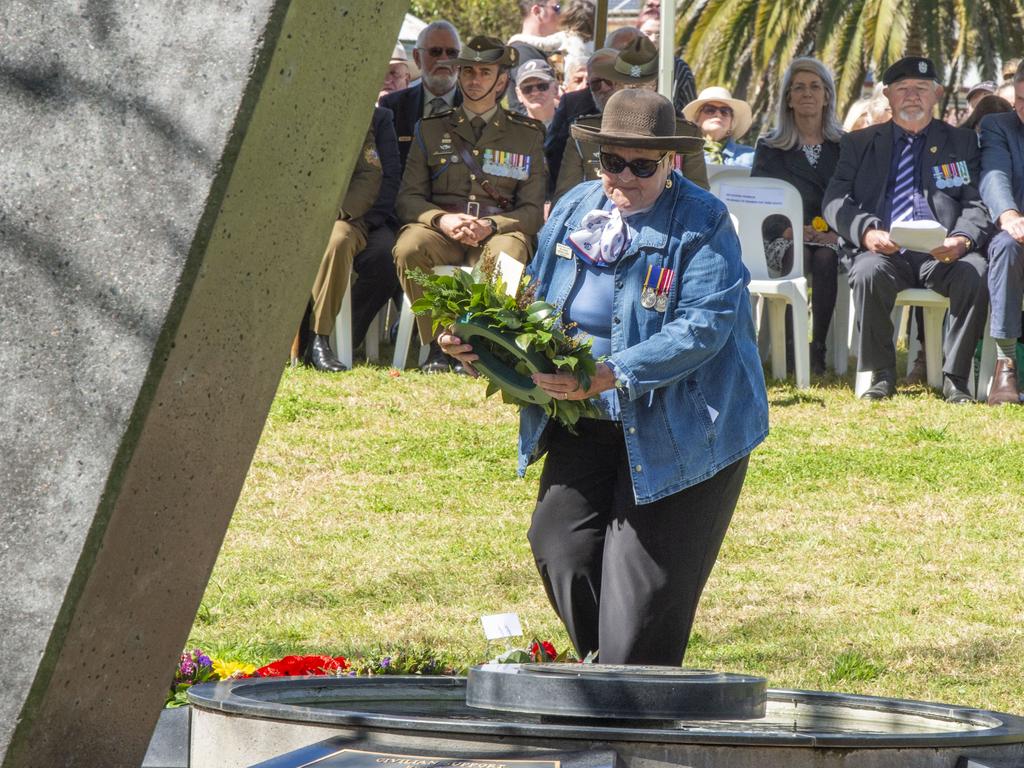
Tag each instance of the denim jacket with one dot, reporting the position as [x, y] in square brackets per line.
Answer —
[690, 382]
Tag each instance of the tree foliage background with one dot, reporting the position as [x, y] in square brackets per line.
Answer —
[497, 18]
[747, 45]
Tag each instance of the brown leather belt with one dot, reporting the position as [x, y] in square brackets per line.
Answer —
[472, 207]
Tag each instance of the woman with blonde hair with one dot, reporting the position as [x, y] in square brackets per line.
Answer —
[803, 149]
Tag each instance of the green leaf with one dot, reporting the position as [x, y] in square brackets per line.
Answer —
[523, 341]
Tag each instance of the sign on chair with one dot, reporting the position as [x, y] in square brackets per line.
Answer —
[772, 197]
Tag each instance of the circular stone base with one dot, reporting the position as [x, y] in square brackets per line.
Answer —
[617, 692]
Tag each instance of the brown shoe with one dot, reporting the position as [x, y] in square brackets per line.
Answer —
[1004, 384]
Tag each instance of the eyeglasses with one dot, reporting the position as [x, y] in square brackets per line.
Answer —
[528, 89]
[642, 167]
[436, 51]
[557, 7]
[711, 109]
[599, 83]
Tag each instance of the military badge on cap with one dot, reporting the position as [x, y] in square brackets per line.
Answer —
[636, 65]
[487, 50]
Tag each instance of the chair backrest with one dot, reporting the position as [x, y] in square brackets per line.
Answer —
[751, 201]
[722, 171]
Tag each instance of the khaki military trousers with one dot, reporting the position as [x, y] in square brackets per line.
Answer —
[348, 238]
[422, 247]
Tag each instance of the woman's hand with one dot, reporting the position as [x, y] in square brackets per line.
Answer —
[452, 345]
[564, 386]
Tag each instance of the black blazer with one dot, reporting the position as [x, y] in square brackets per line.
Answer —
[791, 165]
[391, 171]
[569, 108]
[855, 198]
[407, 106]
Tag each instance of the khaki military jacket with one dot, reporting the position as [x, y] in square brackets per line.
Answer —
[580, 162]
[510, 153]
[364, 185]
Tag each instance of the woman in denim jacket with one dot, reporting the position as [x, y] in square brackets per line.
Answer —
[633, 508]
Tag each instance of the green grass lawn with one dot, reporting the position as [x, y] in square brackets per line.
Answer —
[876, 547]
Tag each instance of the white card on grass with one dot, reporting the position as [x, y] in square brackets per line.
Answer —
[501, 625]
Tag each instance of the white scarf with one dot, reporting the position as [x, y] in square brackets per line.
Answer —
[601, 236]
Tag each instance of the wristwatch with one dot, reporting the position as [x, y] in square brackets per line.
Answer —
[493, 225]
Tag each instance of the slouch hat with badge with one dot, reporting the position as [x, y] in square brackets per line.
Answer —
[487, 50]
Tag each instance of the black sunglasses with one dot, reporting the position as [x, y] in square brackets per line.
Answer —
[642, 167]
[528, 89]
[435, 52]
[557, 7]
[599, 83]
[712, 109]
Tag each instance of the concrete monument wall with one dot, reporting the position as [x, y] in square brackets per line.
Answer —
[170, 171]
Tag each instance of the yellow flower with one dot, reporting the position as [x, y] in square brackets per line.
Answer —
[820, 224]
[228, 669]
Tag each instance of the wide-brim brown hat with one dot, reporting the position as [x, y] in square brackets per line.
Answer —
[636, 65]
[487, 50]
[638, 118]
[742, 116]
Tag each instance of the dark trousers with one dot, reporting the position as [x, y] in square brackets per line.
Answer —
[624, 579]
[377, 283]
[1005, 285]
[876, 279]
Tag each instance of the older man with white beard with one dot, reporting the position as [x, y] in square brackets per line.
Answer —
[436, 49]
[914, 168]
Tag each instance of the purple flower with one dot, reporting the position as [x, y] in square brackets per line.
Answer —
[385, 662]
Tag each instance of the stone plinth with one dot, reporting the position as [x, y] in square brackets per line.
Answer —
[171, 171]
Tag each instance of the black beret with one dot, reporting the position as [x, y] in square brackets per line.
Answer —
[917, 67]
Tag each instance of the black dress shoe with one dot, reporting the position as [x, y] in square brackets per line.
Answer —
[437, 361]
[320, 355]
[954, 389]
[883, 385]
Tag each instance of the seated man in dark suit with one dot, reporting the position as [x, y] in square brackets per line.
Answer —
[437, 46]
[1002, 188]
[913, 168]
[583, 102]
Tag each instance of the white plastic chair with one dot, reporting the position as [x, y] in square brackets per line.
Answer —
[716, 171]
[935, 306]
[839, 333]
[751, 201]
[341, 338]
[510, 270]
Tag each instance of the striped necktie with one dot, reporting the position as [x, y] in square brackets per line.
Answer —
[903, 191]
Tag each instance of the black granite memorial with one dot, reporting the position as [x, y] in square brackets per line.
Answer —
[287, 723]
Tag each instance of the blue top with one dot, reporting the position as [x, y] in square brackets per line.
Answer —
[690, 384]
[589, 306]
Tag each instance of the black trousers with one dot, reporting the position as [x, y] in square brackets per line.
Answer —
[377, 282]
[876, 279]
[624, 579]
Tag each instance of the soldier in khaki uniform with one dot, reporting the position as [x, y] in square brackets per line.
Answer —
[474, 180]
[635, 67]
[362, 237]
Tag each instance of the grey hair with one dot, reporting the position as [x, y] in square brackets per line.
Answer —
[785, 135]
[434, 26]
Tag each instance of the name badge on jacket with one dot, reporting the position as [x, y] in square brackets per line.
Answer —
[951, 174]
[511, 165]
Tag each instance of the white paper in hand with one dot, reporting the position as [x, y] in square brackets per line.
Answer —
[923, 236]
[500, 625]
